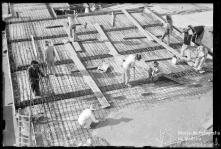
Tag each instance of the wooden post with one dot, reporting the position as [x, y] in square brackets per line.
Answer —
[88, 79]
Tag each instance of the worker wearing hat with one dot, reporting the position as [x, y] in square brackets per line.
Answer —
[87, 117]
[127, 65]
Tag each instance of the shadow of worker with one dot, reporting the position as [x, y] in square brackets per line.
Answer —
[109, 122]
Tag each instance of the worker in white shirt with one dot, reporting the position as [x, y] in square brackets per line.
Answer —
[155, 72]
[87, 117]
[50, 57]
[202, 53]
[127, 64]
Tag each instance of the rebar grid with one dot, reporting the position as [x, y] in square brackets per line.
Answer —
[61, 128]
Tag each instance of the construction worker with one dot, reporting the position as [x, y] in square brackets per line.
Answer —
[168, 29]
[72, 20]
[154, 72]
[50, 57]
[197, 33]
[202, 53]
[186, 42]
[86, 8]
[87, 117]
[127, 65]
[34, 75]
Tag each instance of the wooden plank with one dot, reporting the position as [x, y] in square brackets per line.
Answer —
[107, 42]
[88, 79]
[148, 35]
[137, 24]
[33, 45]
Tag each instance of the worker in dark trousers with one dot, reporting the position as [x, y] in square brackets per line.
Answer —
[186, 41]
[197, 33]
[34, 75]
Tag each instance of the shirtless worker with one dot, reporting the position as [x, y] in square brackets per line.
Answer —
[86, 118]
[49, 57]
[127, 65]
[168, 29]
[72, 20]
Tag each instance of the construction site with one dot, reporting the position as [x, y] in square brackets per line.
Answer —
[174, 111]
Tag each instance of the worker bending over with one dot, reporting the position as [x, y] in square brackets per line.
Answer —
[34, 74]
[154, 72]
[87, 117]
[168, 29]
[197, 33]
[127, 65]
[50, 57]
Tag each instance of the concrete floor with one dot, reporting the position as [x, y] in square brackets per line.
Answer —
[159, 124]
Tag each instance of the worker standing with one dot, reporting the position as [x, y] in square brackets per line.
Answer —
[168, 29]
[87, 117]
[186, 42]
[34, 74]
[197, 33]
[72, 20]
[50, 57]
[127, 65]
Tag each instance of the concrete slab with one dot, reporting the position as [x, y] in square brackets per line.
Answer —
[159, 125]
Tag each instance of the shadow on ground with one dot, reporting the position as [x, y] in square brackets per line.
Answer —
[110, 122]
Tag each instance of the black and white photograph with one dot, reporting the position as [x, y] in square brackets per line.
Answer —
[108, 74]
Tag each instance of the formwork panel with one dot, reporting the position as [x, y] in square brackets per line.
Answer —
[63, 82]
[117, 38]
[23, 53]
[32, 11]
[144, 19]
[159, 31]
[41, 30]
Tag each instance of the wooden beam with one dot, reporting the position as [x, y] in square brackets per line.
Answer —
[137, 24]
[106, 40]
[96, 13]
[117, 57]
[148, 35]
[88, 79]
[34, 47]
[10, 88]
